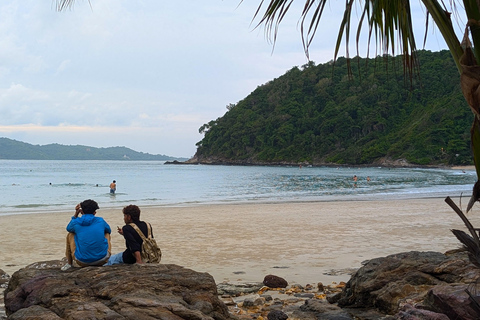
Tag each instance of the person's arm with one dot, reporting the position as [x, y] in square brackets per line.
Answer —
[138, 257]
[71, 225]
[107, 228]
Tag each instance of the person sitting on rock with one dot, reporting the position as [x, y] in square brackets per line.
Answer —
[88, 239]
[133, 241]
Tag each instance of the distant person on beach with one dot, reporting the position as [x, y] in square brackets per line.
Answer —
[113, 187]
[355, 178]
[88, 239]
[133, 240]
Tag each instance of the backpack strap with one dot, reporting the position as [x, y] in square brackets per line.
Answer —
[140, 233]
[149, 230]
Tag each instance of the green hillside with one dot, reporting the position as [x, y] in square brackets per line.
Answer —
[16, 150]
[320, 115]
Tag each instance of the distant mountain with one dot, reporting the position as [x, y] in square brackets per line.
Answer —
[17, 150]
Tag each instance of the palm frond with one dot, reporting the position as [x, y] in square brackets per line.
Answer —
[64, 4]
[67, 4]
[472, 248]
[442, 18]
[388, 21]
[465, 220]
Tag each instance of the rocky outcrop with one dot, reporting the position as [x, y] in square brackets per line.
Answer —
[413, 283]
[150, 291]
[408, 286]
[215, 160]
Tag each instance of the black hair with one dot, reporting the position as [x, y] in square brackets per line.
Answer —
[133, 211]
[89, 206]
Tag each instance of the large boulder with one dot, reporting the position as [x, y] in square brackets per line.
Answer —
[425, 280]
[150, 291]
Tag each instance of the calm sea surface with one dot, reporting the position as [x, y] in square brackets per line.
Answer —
[39, 186]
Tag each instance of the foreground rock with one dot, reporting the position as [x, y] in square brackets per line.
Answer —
[416, 285]
[407, 286]
[153, 291]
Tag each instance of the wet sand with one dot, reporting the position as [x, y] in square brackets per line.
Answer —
[301, 242]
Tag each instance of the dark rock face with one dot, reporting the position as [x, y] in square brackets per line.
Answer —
[429, 281]
[272, 281]
[277, 315]
[151, 291]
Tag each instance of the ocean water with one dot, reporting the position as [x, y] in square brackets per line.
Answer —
[30, 186]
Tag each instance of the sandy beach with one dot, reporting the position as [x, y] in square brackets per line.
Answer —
[302, 242]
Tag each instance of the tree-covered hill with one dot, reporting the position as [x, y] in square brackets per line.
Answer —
[16, 150]
[320, 115]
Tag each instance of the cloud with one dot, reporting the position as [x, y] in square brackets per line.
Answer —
[63, 66]
[144, 74]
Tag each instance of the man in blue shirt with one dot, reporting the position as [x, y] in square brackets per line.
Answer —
[88, 239]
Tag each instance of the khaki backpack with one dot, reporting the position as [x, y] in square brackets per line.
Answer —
[151, 253]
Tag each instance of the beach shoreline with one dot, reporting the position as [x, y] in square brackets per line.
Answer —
[303, 242]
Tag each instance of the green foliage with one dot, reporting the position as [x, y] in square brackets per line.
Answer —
[16, 150]
[320, 115]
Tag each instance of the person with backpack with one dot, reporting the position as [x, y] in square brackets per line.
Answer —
[141, 246]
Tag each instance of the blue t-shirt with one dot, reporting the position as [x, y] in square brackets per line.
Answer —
[91, 244]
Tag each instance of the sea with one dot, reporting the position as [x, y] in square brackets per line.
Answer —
[37, 186]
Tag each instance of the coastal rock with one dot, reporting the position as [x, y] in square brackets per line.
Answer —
[4, 278]
[452, 300]
[276, 302]
[408, 312]
[253, 302]
[239, 288]
[317, 309]
[277, 315]
[150, 291]
[273, 281]
[428, 280]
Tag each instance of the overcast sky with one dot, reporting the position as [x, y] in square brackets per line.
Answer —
[141, 74]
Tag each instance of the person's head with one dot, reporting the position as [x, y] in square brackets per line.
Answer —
[114, 181]
[89, 206]
[131, 213]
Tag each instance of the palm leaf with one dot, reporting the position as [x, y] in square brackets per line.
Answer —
[66, 4]
[472, 248]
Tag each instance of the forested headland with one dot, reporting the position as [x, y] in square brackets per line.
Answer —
[318, 114]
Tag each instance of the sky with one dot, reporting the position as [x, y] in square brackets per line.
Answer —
[144, 74]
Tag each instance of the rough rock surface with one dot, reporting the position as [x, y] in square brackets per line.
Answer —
[151, 291]
[406, 286]
[4, 278]
[401, 283]
[273, 281]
